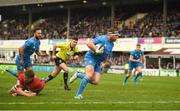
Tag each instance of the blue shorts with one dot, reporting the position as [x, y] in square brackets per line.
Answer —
[133, 65]
[27, 63]
[93, 62]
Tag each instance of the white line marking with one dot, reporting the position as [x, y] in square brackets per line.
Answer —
[81, 102]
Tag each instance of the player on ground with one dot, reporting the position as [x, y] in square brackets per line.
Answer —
[93, 59]
[135, 61]
[28, 82]
[67, 51]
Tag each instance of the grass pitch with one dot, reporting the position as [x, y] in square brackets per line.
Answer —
[157, 93]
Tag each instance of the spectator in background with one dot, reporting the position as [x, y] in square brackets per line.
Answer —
[177, 69]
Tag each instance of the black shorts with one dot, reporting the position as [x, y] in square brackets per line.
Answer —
[59, 61]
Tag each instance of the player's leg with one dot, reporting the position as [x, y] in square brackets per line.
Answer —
[96, 75]
[28, 64]
[57, 69]
[139, 72]
[75, 76]
[53, 74]
[65, 76]
[4, 69]
[89, 69]
[90, 63]
[134, 73]
[140, 75]
[20, 67]
[78, 74]
[127, 77]
[12, 72]
[96, 78]
[29, 73]
[129, 73]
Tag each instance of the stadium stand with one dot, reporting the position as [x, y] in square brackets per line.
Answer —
[84, 23]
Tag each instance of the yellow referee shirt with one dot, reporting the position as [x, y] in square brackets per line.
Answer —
[66, 51]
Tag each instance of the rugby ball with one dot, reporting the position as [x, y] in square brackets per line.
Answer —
[100, 47]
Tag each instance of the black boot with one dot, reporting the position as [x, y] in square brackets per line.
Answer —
[66, 87]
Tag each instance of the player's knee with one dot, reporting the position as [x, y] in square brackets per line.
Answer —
[139, 71]
[54, 74]
[66, 72]
[95, 81]
[129, 74]
[90, 76]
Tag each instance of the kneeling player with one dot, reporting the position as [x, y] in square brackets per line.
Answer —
[27, 82]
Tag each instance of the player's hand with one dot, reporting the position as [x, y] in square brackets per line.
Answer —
[14, 94]
[76, 57]
[138, 60]
[21, 62]
[97, 51]
[32, 94]
[141, 62]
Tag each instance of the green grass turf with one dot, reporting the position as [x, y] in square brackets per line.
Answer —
[152, 93]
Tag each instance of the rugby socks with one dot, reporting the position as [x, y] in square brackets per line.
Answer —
[125, 80]
[48, 78]
[65, 78]
[82, 86]
[134, 75]
[137, 75]
[12, 72]
[79, 75]
[141, 77]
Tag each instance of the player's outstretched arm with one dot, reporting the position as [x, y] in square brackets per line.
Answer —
[21, 92]
[41, 54]
[21, 51]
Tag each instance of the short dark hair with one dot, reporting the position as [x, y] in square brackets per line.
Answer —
[75, 38]
[29, 73]
[37, 28]
[138, 44]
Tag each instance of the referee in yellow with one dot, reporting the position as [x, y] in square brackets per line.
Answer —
[68, 50]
